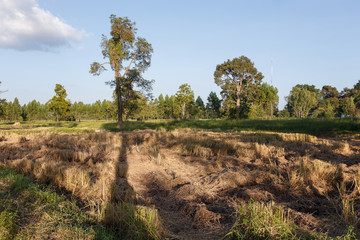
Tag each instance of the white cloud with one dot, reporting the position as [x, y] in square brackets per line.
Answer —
[25, 26]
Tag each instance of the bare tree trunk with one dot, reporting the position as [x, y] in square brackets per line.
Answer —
[119, 102]
[238, 92]
[183, 111]
[57, 118]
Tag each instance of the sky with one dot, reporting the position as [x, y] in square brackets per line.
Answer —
[45, 42]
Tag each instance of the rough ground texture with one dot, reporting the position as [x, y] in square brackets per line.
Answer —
[196, 179]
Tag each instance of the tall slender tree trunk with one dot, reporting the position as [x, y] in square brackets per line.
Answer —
[183, 111]
[119, 97]
[57, 118]
[238, 92]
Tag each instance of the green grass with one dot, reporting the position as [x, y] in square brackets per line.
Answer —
[329, 127]
[266, 221]
[30, 127]
[30, 210]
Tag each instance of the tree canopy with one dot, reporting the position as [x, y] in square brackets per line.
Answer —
[129, 56]
[234, 76]
[59, 104]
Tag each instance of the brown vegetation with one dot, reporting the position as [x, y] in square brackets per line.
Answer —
[187, 184]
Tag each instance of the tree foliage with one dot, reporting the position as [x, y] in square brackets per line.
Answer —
[184, 96]
[59, 104]
[302, 99]
[235, 77]
[129, 56]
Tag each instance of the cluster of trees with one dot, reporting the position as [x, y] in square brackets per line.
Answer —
[257, 101]
[308, 101]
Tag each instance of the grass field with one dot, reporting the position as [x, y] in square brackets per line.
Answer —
[206, 179]
[317, 127]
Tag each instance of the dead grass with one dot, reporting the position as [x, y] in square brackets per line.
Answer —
[182, 183]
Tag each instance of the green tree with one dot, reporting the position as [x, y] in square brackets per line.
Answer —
[348, 107]
[328, 106]
[234, 76]
[356, 94]
[184, 96]
[302, 99]
[213, 105]
[34, 110]
[329, 92]
[59, 104]
[171, 108]
[198, 108]
[266, 101]
[129, 56]
[12, 111]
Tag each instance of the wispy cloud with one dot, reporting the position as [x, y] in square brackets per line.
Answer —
[25, 26]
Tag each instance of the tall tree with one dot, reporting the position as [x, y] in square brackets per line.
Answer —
[233, 76]
[129, 56]
[59, 104]
[213, 105]
[199, 108]
[266, 101]
[184, 96]
[302, 99]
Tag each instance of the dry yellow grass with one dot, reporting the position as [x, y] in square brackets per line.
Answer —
[171, 178]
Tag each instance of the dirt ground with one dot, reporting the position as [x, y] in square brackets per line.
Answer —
[197, 179]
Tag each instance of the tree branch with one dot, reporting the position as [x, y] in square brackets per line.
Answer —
[127, 69]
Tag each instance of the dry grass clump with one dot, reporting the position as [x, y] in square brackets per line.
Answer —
[297, 137]
[133, 222]
[318, 174]
[268, 152]
[342, 147]
[346, 205]
[261, 138]
[205, 146]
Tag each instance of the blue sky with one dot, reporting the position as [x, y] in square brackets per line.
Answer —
[44, 42]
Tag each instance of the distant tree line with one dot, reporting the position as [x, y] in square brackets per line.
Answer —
[243, 95]
[258, 102]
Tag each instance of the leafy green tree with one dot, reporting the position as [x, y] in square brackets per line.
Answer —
[328, 106]
[213, 105]
[198, 108]
[234, 76]
[129, 56]
[59, 104]
[356, 94]
[34, 110]
[328, 91]
[161, 106]
[184, 96]
[12, 111]
[302, 99]
[348, 107]
[171, 108]
[266, 101]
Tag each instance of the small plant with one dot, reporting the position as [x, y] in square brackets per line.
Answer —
[7, 224]
[133, 222]
[262, 221]
[346, 203]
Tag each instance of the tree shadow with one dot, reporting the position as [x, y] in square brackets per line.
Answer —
[131, 221]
